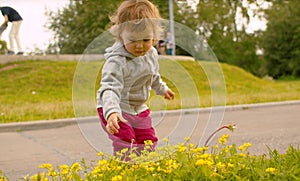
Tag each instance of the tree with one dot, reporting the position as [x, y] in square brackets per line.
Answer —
[281, 42]
[78, 24]
[224, 23]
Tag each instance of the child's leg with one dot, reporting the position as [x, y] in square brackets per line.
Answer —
[142, 126]
[145, 134]
[125, 138]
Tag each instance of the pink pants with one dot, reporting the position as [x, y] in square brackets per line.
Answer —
[132, 134]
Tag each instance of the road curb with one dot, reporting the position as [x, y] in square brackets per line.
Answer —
[48, 124]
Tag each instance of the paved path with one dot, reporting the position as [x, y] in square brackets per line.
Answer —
[275, 125]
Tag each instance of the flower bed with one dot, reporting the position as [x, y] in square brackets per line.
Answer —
[184, 161]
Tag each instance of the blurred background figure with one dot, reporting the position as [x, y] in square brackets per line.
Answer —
[161, 47]
[170, 43]
[12, 16]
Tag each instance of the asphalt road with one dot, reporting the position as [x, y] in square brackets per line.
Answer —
[25, 146]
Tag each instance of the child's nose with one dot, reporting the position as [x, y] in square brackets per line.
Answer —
[139, 43]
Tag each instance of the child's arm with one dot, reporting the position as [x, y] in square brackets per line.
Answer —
[111, 87]
[160, 88]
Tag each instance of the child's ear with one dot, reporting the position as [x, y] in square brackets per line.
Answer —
[154, 42]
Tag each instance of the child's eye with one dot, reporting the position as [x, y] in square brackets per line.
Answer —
[132, 40]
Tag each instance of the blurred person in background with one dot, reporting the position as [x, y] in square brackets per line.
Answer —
[12, 16]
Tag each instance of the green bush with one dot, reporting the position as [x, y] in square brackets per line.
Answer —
[3, 47]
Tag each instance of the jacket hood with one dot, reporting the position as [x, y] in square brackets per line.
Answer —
[117, 50]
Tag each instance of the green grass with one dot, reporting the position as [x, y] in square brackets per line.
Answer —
[42, 90]
[35, 90]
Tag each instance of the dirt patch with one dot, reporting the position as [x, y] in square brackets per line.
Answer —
[9, 67]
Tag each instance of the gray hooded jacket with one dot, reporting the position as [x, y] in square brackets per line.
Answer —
[127, 80]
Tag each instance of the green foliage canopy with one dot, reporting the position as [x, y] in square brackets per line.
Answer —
[78, 24]
[222, 24]
[281, 40]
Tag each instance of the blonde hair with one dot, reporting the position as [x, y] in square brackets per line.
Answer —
[136, 15]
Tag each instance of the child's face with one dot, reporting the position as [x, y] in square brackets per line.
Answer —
[137, 43]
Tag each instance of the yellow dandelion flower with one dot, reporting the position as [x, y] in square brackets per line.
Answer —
[175, 166]
[221, 165]
[96, 170]
[209, 163]
[248, 144]
[223, 139]
[168, 171]
[116, 178]
[169, 162]
[224, 150]
[102, 162]
[201, 162]
[191, 145]
[271, 170]
[148, 142]
[217, 157]
[124, 150]
[151, 169]
[241, 148]
[244, 147]
[242, 155]
[45, 179]
[46, 165]
[39, 177]
[100, 154]
[34, 177]
[187, 138]
[197, 150]
[230, 165]
[166, 140]
[182, 149]
[159, 169]
[205, 156]
[64, 169]
[76, 167]
[52, 173]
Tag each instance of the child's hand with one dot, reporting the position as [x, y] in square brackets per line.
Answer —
[169, 94]
[112, 125]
